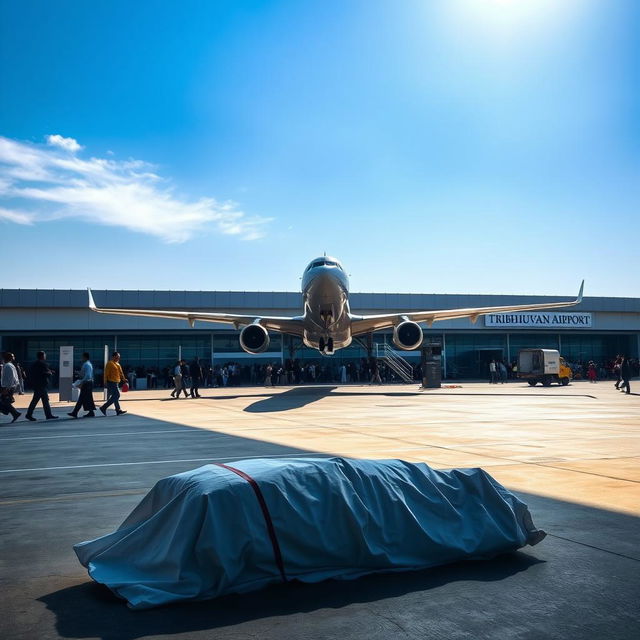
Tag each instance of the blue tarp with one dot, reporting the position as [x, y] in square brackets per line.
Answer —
[204, 533]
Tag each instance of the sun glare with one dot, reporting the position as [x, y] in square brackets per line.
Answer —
[514, 14]
[509, 23]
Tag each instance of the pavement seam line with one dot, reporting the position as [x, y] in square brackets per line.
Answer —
[486, 455]
[591, 546]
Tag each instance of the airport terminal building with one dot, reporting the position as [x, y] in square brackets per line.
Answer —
[46, 319]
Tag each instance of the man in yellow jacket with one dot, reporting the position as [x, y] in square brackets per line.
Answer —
[113, 375]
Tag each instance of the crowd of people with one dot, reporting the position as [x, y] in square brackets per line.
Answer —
[608, 369]
[499, 372]
[185, 379]
[612, 369]
[38, 376]
[623, 369]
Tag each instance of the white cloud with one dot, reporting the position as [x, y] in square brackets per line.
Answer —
[49, 183]
[69, 144]
[19, 217]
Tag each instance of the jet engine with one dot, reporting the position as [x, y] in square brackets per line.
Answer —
[407, 335]
[254, 339]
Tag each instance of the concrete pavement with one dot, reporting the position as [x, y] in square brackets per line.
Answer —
[571, 453]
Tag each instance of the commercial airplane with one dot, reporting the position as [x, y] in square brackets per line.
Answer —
[327, 323]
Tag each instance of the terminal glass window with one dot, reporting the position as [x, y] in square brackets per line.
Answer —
[468, 355]
[531, 341]
[94, 345]
[142, 353]
[600, 348]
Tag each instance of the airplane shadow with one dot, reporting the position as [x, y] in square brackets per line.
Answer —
[297, 397]
[88, 610]
[292, 399]
[302, 396]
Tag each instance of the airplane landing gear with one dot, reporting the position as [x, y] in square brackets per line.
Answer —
[325, 346]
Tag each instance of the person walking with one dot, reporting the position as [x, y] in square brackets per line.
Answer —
[21, 375]
[186, 376]
[38, 377]
[492, 373]
[503, 372]
[85, 400]
[179, 380]
[9, 384]
[196, 377]
[616, 370]
[267, 378]
[625, 374]
[113, 376]
[375, 372]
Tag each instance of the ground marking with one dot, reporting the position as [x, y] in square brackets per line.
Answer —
[591, 546]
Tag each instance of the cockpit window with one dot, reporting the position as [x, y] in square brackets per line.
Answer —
[321, 263]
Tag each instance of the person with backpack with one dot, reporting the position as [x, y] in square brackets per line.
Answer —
[38, 378]
[9, 384]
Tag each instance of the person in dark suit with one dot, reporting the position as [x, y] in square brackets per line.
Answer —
[38, 377]
[196, 377]
[625, 374]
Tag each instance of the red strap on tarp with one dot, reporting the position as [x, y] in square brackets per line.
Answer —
[265, 512]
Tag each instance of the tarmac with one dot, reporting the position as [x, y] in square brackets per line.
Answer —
[571, 453]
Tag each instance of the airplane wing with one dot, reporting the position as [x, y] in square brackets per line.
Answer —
[365, 324]
[288, 325]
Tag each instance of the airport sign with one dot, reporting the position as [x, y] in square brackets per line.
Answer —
[551, 320]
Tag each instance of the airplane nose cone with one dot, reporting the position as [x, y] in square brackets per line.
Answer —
[326, 286]
[327, 278]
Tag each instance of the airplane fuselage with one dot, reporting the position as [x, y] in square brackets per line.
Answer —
[325, 295]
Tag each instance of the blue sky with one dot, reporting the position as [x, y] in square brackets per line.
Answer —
[463, 146]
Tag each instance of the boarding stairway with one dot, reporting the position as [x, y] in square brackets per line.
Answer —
[396, 363]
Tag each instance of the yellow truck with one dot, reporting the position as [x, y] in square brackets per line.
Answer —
[544, 366]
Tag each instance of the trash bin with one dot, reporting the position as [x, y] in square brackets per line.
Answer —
[432, 366]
